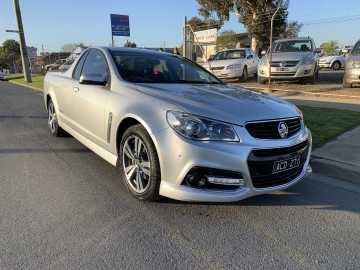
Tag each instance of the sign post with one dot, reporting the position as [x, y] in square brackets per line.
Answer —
[120, 26]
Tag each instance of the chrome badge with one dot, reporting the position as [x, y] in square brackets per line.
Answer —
[283, 130]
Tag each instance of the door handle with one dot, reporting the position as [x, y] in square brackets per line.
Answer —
[76, 89]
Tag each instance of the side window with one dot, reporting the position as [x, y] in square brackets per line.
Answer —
[79, 66]
[95, 65]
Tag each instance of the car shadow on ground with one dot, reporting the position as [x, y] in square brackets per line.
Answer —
[310, 193]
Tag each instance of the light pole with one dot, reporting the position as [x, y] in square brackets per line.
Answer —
[271, 41]
[23, 49]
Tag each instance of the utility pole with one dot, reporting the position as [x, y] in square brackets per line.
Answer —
[185, 38]
[271, 41]
[23, 49]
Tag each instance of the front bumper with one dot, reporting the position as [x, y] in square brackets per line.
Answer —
[287, 73]
[227, 73]
[178, 156]
[352, 76]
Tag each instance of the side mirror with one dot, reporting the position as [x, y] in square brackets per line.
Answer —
[93, 79]
[318, 50]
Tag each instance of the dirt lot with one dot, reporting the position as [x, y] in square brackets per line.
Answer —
[330, 82]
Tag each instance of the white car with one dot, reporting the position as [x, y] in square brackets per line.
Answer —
[233, 64]
[334, 62]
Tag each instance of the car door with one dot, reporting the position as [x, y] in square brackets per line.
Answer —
[65, 94]
[91, 98]
[250, 62]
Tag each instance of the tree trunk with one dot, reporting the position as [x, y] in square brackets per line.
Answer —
[254, 44]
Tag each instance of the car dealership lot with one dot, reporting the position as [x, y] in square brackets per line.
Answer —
[61, 206]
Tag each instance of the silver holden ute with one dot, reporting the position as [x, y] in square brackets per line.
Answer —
[352, 67]
[173, 129]
[233, 64]
[292, 59]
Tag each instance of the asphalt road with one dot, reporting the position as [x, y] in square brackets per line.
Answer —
[62, 207]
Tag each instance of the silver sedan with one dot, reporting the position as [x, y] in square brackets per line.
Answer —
[352, 67]
[174, 129]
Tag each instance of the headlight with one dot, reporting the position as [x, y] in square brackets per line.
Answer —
[355, 65]
[235, 66]
[308, 61]
[199, 128]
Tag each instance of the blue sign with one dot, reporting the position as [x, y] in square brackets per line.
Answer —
[120, 25]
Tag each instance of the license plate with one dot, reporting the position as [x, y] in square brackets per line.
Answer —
[287, 164]
[282, 69]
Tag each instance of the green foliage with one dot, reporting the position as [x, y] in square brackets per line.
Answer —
[226, 40]
[9, 53]
[254, 14]
[198, 24]
[292, 30]
[330, 47]
[129, 44]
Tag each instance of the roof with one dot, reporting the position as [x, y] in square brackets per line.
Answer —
[291, 39]
[134, 50]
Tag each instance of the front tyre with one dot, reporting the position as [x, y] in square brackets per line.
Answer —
[139, 164]
[245, 75]
[53, 123]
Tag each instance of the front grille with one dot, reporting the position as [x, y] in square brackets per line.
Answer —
[279, 74]
[285, 64]
[217, 68]
[261, 163]
[269, 130]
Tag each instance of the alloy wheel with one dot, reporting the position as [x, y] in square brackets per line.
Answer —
[136, 164]
[52, 118]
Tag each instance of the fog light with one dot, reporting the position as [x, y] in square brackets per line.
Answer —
[225, 181]
[307, 71]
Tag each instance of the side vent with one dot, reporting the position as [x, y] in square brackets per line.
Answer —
[109, 127]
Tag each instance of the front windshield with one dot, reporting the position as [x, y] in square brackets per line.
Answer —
[293, 46]
[230, 55]
[147, 67]
[356, 50]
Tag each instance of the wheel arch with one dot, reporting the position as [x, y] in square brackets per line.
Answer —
[131, 120]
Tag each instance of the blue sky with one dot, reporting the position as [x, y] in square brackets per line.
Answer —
[54, 23]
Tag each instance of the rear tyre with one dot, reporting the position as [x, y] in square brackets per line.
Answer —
[53, 124]
[245, 75]
[139, 164]
[336, 65]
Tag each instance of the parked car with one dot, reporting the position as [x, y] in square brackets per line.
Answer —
[56, 65]
[292, 59]
[334, 62]
[352, 67]
[1, 75]
[233, 64]
[174, 129]
[67, 64]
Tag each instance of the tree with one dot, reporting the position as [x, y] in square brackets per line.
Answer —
[70, 47]
[10, 54]
[226, 40]
[254, 14]
[198, 24]
[129, 44]
[292, 30]
[330, 47]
